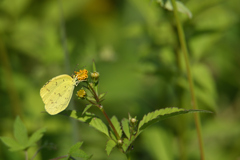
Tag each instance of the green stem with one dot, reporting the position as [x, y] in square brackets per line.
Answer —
[128, 156]
[26, 154]
[190, 81]
[103, 111]
[110, 123]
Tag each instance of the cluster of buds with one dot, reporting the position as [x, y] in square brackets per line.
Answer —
[82, 75]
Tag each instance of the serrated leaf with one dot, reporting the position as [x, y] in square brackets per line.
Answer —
[110, 145]
[127, 143]
[86, 108]
[102, 95]
[167, 4]
[99, 125]
[76, 152]
[117, 126]
[36, 136]
[88, 118]
[12, 144]
[75, 147]
[113, 136]
[125, 127]
[20, 132]
[161, 114]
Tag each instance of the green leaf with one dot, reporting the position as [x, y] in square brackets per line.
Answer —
[20, 132]
[99, 125]
[117, 126]
[161, 114]
[125, 127]
[86, 108]
[110, 145]
[102, 95]
[112, 135]
[88, 118]
[127, 143]
[167, 4]
[91, 99]
[94, 67]
[76, 152]
[12, 144]
[36, 136]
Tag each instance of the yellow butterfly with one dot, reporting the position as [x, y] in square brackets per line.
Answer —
[57, 93]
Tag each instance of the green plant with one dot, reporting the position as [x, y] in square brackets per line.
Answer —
[120, 134]
[21, 141]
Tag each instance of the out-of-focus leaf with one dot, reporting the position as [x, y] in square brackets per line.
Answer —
[36, 136]
[167, 4]
[159, 143]
[12, 144]
[76, 152]
[205, 87]
[20, 132]
[110, 145]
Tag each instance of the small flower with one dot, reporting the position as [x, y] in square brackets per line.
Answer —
[82, 75]
[81, 93]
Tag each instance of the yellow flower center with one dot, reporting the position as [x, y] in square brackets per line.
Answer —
[81, 93]
[81, 75]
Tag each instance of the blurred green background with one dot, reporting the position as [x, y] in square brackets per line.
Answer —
[135, 46]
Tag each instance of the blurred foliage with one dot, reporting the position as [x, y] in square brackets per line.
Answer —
[134, 44]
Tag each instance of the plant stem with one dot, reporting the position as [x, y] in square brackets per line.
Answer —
[110, 123]
[190, 81]
[26, 154]
[103, 111]
[128, 156]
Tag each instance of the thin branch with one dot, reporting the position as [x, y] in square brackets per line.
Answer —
[190, 81]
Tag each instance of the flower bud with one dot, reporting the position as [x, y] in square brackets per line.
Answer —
[120, 142]
[95, 76]
[133, 120]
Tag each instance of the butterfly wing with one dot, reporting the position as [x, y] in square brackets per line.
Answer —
[57, 93]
